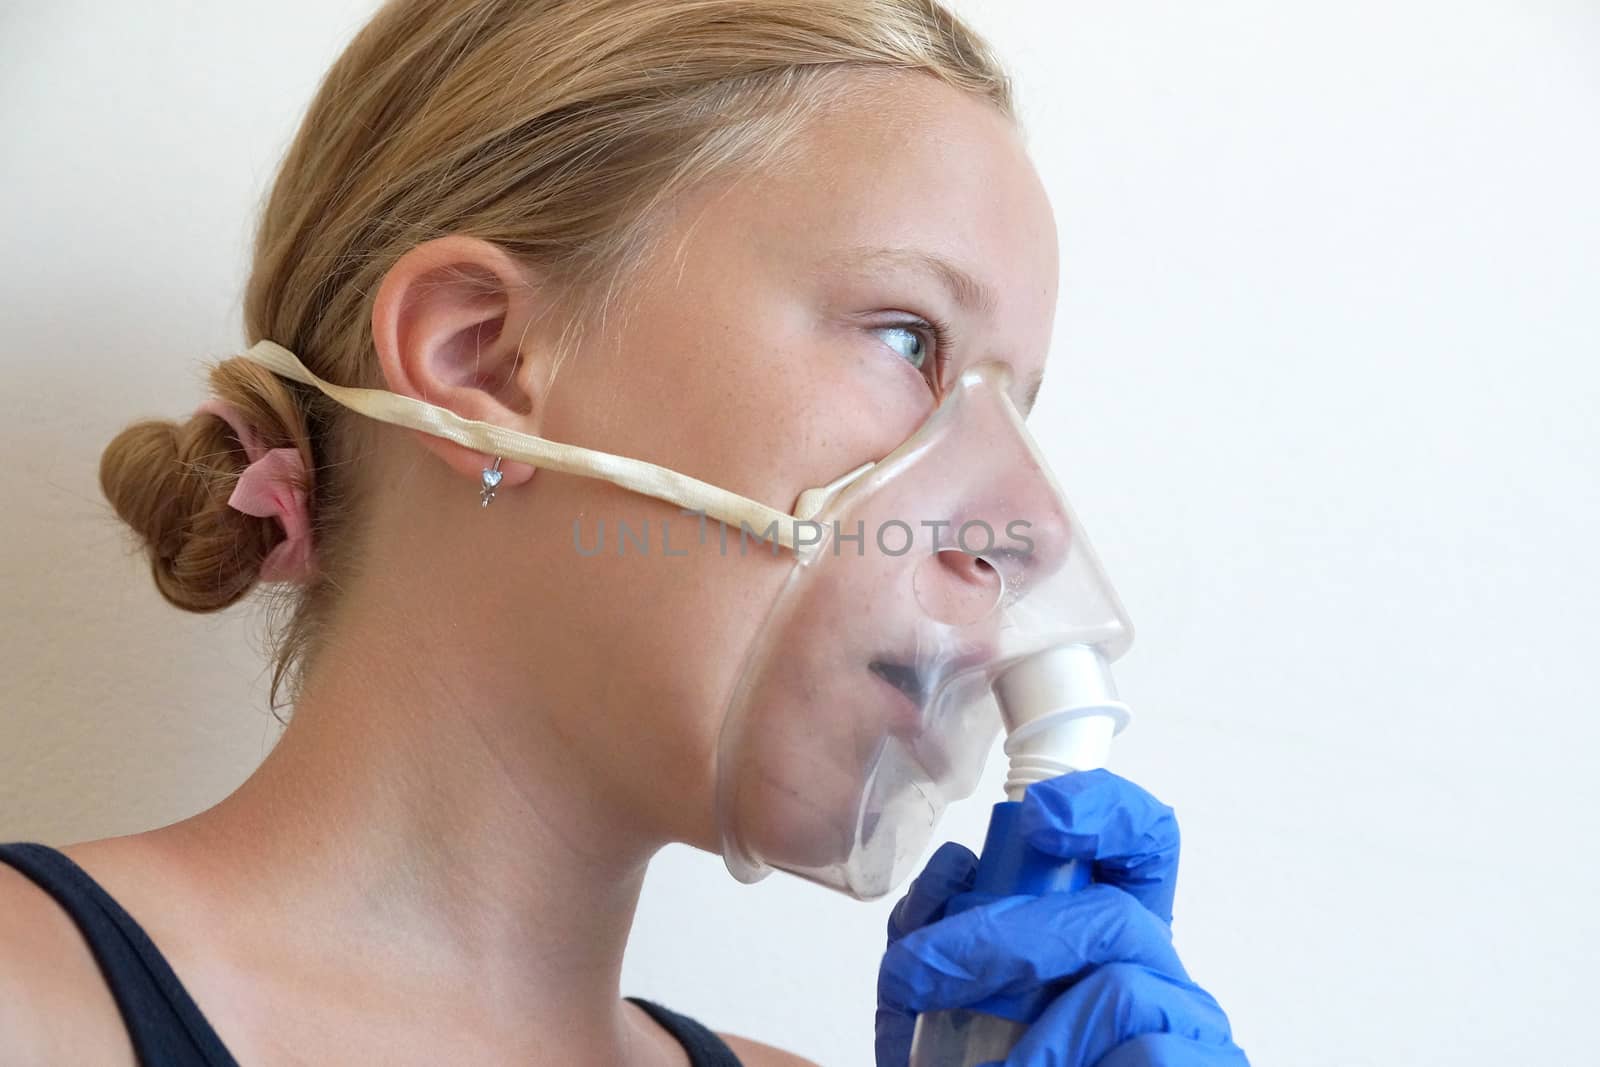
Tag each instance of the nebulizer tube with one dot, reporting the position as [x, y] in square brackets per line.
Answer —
[1060, 711]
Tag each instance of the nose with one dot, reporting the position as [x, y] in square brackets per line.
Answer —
[1039, 531]
[1021, 528]
[1006, 520]
[1001, 547]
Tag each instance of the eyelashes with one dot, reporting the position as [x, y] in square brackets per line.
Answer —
[941, 342]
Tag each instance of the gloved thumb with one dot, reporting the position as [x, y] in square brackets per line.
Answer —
[1129, 836]
[949, 871]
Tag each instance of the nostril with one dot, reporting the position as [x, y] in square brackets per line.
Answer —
[968, 567]
[956, 587]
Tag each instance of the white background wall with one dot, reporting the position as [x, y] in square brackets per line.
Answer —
[1325, 392]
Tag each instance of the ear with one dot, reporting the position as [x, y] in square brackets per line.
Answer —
[450, 323]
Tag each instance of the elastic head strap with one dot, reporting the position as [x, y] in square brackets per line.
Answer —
[637, 475]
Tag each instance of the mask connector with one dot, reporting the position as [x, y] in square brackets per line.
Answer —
[1060, 711]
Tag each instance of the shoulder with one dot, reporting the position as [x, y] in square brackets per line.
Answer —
[55, 1006]
[755, 1054]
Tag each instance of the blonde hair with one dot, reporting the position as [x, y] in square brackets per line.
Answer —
[553, 128]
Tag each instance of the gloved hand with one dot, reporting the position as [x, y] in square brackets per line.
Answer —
[1127, 1001]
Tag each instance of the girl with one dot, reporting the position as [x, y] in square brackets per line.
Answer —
[750, 242]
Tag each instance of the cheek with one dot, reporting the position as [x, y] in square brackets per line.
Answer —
[756, 392]
[693, 622]
[655, 640]
[640, 649]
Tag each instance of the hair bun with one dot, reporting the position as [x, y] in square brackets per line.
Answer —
[172, 482]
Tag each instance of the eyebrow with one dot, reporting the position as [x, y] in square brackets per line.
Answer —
[968, 292]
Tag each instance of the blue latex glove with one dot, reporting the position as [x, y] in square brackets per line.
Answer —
[1127, 1000]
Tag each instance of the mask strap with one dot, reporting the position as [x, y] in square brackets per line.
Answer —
[637, 475]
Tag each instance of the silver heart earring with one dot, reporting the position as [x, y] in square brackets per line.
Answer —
[491, 479]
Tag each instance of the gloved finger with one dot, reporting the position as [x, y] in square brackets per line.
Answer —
[1015, 944]
[892, 1038]
[949, 871]
[1112, 1005]
[1173, 1050]
[1131, 837]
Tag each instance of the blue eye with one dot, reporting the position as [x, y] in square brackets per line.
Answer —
[908, 342]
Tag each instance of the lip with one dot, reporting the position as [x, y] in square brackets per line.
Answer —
[907, 683]
[915, 685]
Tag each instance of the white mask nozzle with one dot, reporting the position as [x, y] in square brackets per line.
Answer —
[1060, 710]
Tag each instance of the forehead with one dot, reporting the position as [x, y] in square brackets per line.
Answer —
[907, 175]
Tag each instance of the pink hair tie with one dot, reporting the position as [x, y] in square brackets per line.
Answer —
[272, 486]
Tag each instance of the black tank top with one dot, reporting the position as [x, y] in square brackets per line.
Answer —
[164, 1022]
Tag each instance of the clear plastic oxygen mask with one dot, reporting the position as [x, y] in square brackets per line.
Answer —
[949, 574]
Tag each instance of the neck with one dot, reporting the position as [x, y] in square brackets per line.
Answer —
[416, 819]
